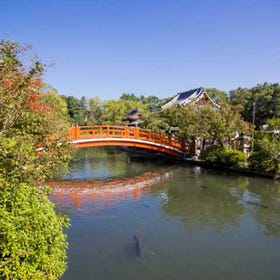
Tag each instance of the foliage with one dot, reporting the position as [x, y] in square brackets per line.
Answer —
[234, 158]
[213, 154]
[129, 97]
[266, 156]
[205, 122]
[261, 161]
[223, 156]
[76, 110]
[19, 160]
[27, 119]
[152, 102]
[115, 110]
[94, 111]
[265, 97]
[57, 105]
[155, 121]
[217, 95]
[32, 244]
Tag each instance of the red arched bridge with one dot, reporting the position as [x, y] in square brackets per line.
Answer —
[105, 135]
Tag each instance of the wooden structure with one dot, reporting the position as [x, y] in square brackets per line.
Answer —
[199, 98]
[105, 135]
[133, 118]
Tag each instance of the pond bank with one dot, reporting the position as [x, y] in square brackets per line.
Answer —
[241, 170]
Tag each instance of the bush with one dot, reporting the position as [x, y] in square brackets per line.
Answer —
[262, 161]
[213, 154]
[33, 245]
[222, 156]
[235, 158]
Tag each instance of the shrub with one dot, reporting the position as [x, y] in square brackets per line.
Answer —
[33, 244]
[220, 155]
[262, 161]
[212, 154]
[235, 158]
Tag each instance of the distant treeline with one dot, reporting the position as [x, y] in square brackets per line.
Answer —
[256, 104]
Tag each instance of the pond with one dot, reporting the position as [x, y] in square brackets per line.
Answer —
[190, 222]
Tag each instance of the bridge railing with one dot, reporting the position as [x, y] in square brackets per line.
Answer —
[107, 131]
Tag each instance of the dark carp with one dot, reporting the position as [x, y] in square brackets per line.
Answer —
[138, 248]
[256, 204]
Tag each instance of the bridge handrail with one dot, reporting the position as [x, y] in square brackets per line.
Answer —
[109, 131]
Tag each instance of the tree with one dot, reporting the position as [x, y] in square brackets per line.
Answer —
[57, 105]
[204, 122]
[75, 110]
[266, 156]
[115, 110]
[27, 122]
[129, 97]
[84, 110]
[94, 111]
[153, 102]
[219, 96]
[264, 97]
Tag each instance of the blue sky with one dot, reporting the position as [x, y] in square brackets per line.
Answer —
[108, 47]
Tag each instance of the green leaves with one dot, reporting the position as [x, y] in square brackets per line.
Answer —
[266, 98]
[201, 121]
[221, 156]
[115, 110]
[32, 242]
[266, 156]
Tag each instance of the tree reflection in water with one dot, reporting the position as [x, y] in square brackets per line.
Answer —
[205, 200]
[202, 198]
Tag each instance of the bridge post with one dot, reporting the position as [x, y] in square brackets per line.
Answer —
[126, 131]
[136, 132]
[76, 132]
[108, 131]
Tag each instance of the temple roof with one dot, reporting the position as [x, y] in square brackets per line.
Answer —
[189, 97]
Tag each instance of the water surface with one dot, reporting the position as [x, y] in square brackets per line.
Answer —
[194, 223]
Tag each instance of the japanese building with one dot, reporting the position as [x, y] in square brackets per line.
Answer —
[198, 96]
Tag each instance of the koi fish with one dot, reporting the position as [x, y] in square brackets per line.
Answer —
[138, 247]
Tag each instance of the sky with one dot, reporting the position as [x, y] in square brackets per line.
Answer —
[148, 47]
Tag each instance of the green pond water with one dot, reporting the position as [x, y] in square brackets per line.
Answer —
[192, 223]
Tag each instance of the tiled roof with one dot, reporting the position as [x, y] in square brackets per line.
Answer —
[188, 97]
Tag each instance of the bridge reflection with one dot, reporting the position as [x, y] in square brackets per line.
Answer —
[78, 192]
